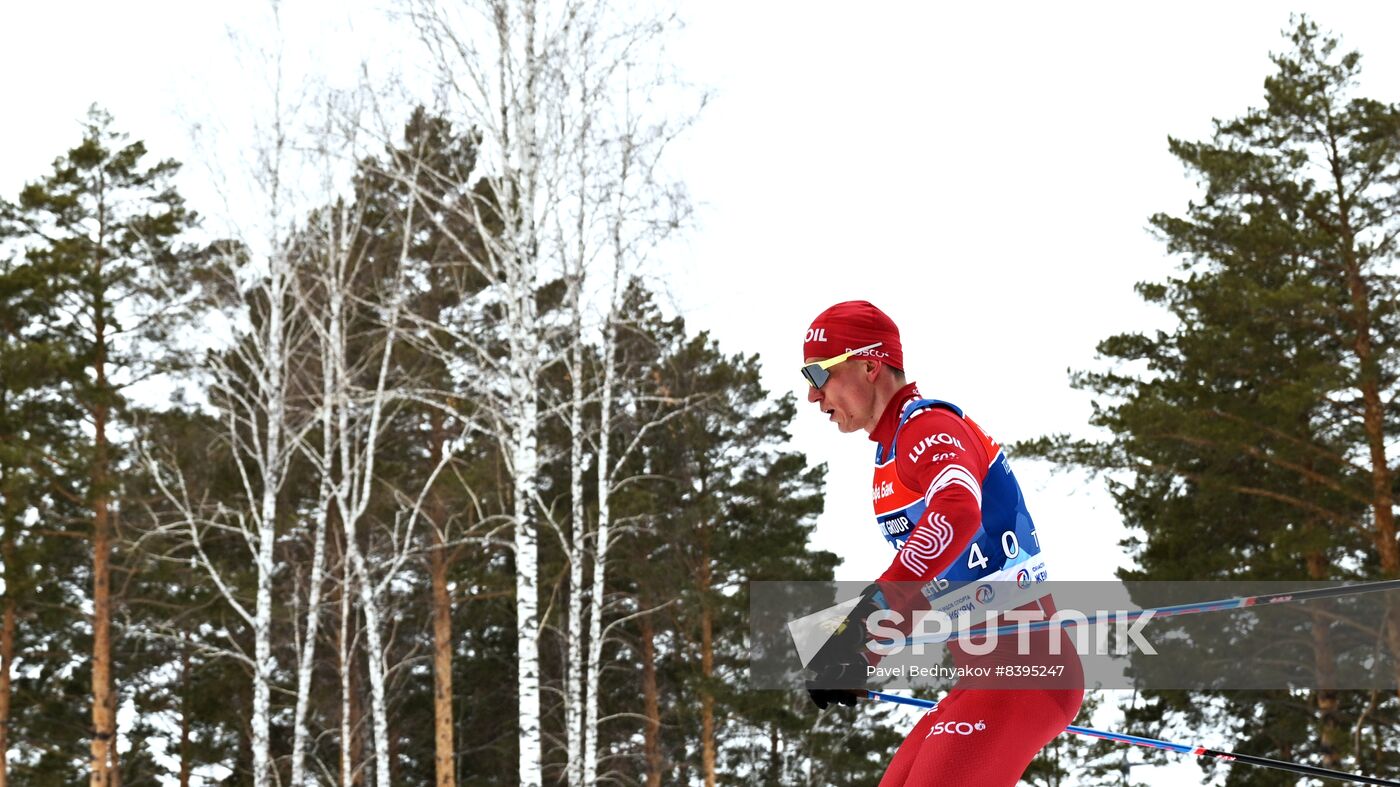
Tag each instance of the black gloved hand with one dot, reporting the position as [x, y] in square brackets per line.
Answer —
[825, 697]
[840, 665]
[834, 681]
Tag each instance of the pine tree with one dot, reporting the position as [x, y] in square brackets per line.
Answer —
[728, 506]
[106, 228]
[180, 634]
[433, 453]
[1253, 436]
[36, 437]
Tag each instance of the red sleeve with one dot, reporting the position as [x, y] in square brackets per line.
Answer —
[939, 456]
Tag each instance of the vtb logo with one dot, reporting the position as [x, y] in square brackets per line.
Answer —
[815, 335]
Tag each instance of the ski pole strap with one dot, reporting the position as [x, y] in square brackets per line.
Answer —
[1179, 748]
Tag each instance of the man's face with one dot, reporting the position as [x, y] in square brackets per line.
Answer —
[848, 397]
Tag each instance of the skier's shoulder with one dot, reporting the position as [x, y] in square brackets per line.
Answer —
[932, 436]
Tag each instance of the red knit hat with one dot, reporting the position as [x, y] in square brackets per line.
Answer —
[850, 325]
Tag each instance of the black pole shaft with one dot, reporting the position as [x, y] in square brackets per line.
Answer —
[1293, 767]
[1316, 593]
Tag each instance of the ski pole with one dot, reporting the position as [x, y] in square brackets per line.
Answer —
[1179, 748]
[1239, 602]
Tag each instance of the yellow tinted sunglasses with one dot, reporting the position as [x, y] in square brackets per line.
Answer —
[817, 374]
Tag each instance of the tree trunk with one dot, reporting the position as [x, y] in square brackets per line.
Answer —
[1373, 420]
[326, 514]
[104, 728]
[1373, 409]
[522, 159]
[7, 655]
[651, 705]
[353, 491]
[444, 758]
[573, 681]
[264, 663]
[525, 465]
[601, 537]
[707, 666]
[376, 663]
[707, 702]
[307, 662]
[573, 676]
[349, 752]
[1331, 735]
[527, 595]
[186, 767]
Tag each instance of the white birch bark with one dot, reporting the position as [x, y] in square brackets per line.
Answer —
[602, 534]
[271, 398]
[378, 667]
[361, 399]
[267, 533]
[576, 548]
[357, 446]
[249, 395]
[527, 592]
[600, 557]
[537, 79]
[524, 344]
[347, 656]
[503, 89]
[525, 362]
[300, 732]
[573, 685]
[253, 403]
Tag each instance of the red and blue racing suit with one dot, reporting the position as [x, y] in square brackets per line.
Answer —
[945, 496]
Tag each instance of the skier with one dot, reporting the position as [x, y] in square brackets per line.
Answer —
[945, 497]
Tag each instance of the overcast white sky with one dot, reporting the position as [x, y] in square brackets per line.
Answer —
[982, 172]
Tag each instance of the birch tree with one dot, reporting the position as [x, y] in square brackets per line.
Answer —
[564, 151]
[640, 209]
[439, 160]
[500, 63]
[258, 399]
[353, 420]
[377, 292]
[260, 428]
